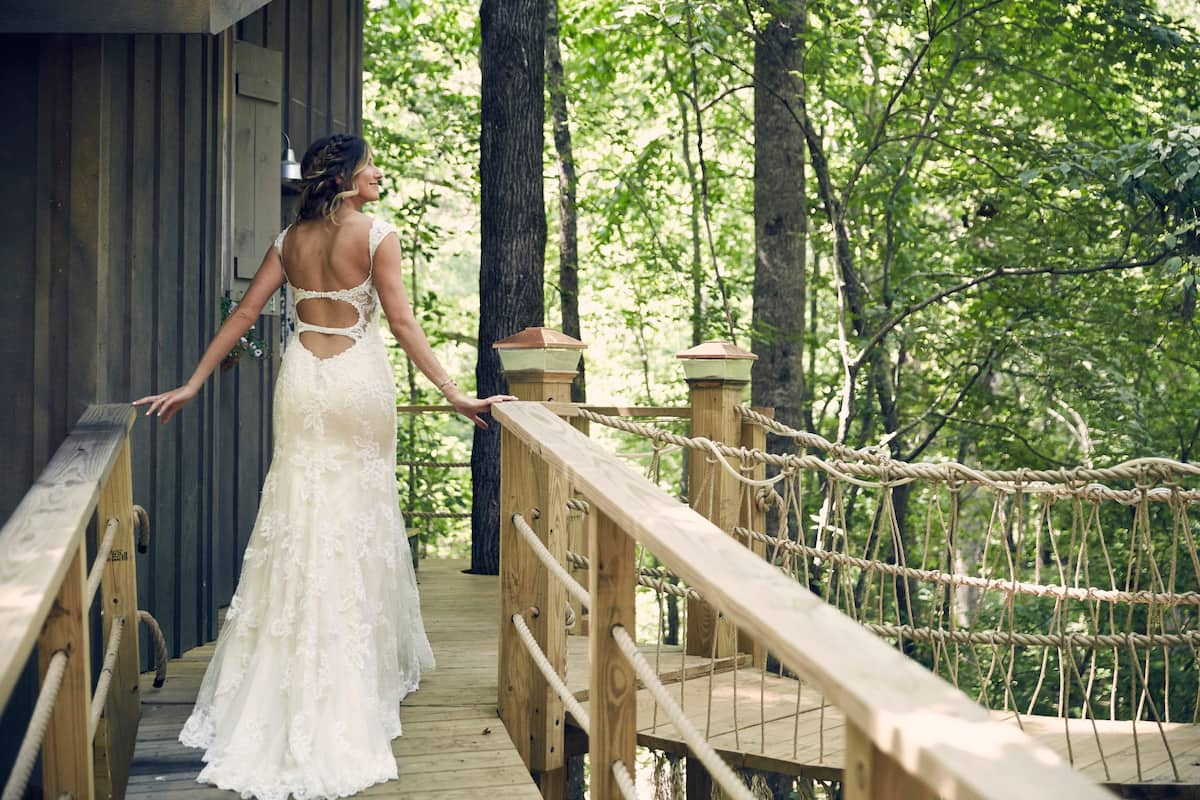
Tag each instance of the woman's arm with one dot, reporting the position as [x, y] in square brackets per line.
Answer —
[266, 282]
[389, 282]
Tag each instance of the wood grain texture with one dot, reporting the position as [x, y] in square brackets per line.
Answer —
[714, 494]
[926, 725]
[40, 538]
[67, 746]
[613, 686]
[518, 568]
[871, 775]
[118, 599]
[753, 437]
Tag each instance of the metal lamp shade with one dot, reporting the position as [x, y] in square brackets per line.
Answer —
[289, 170]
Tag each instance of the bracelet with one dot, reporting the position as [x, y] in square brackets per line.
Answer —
[447, 382]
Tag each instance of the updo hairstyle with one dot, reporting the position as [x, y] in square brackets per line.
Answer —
[328, 170]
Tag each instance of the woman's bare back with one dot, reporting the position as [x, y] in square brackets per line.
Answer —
[322, 257]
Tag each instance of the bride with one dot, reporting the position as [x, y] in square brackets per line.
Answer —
[323, 637]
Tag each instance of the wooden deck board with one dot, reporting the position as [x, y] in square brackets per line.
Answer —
[454, 745]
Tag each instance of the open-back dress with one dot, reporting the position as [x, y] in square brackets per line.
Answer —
[323, 637]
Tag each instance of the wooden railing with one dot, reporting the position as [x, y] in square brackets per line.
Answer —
[909, 734]
[46, 593]
[413, 465]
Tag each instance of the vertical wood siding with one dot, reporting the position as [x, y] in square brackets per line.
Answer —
[110, 256]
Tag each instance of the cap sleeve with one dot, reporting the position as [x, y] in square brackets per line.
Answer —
[379, 232]
[279, 241]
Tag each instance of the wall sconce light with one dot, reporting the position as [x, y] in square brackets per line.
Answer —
[289, 170]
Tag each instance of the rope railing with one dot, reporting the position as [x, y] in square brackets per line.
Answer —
[974, 581]
[1080, 482]
[551, 563]
[161, 656]
[141, 527]
[438, 514]
[721, 772]
[18, 779]
[624, 781]
[103, 683]
[551, 675]
[655, 578]
[434, 464]
[1083, 641]
[1163, 470]
[102, 554]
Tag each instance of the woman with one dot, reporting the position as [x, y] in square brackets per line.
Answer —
[323, 637]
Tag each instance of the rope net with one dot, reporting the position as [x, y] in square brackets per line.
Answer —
[1071, 594]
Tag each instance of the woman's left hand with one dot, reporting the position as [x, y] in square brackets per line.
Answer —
[472, 407]
[167, 404]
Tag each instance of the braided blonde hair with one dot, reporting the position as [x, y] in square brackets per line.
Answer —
[330, 166]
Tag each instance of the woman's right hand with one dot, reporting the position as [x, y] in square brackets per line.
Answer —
[167, 404]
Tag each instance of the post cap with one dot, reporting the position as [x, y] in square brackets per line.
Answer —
[534, 338]
[539, 350]
[717, 360]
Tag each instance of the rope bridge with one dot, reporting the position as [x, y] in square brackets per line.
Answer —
[815, 696]
[1070, 594]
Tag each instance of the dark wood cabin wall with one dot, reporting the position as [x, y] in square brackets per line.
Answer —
[321, 42]
[162, 163]
[19, 196]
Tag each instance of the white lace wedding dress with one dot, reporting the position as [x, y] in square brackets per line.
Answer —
[323, 637]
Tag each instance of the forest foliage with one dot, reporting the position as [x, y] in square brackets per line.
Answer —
[1002, 202]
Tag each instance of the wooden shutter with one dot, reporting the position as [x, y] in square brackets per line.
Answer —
[257, 145]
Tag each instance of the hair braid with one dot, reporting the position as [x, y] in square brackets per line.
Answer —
[328, 170]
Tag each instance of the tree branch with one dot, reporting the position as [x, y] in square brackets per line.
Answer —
[1013, 434]
[998, 272]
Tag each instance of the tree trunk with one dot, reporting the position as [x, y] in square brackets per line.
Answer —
[512, 229]
[568, 241]
[780, 219]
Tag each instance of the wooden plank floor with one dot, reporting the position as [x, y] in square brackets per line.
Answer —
[453, 746]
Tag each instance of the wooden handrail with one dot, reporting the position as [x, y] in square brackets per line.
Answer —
[905, 724]
[44, 601]
[572, 410]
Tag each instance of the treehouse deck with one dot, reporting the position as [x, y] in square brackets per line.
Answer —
[455, 746]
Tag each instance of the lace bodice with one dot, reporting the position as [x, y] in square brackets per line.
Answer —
[362, 297]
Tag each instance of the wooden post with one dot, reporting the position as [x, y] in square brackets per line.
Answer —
[753, 437]
[578, 537]
[67, 748]
[540, 365]
[613, 689]
[117, 733]
[870, 775]
[717, 374]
